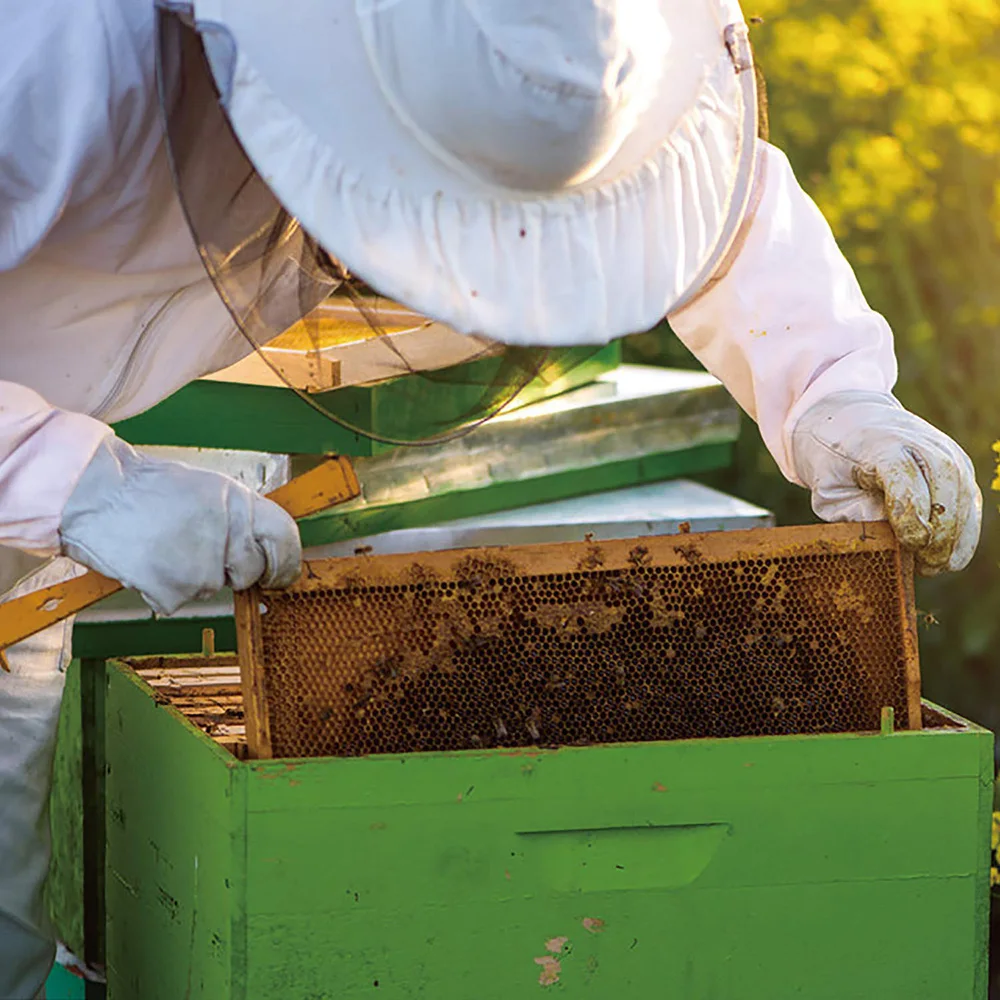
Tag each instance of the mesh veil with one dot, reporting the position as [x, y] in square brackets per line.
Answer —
[279, 283]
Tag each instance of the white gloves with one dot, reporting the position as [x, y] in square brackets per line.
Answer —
[866, 458]
[175, 533]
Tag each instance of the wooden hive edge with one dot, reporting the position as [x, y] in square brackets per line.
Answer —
[592, 556]
[251, 656]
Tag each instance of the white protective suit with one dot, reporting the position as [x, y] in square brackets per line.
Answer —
[105, 310]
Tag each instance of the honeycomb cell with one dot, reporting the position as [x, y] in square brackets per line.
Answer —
[651, 649]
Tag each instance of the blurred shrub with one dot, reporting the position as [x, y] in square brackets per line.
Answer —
[890, 113]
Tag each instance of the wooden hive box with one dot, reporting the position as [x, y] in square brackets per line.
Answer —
[825, 865]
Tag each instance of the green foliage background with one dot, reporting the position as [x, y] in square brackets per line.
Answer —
[889, 110]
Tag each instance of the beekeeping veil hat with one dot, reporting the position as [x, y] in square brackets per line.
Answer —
[545, 172]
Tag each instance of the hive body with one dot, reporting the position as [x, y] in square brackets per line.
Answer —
[823, 867]
[636, 769]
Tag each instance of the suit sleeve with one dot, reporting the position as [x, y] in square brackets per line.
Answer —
[787, 324]
[55, 71]
[43, 452]
[55, 76]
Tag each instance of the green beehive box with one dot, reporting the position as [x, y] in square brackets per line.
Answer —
[213, 414]
[831, 867]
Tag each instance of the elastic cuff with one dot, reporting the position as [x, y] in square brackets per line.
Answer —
[811, 402]
[41, 475]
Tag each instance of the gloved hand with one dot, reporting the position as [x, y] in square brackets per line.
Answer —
[865, 458]
[175, 533]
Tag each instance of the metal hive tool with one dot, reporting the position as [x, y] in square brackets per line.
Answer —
[751, 633]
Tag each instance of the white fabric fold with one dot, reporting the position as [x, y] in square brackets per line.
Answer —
[580, 263]
[548, 93]
[43, 452]
[93, 247]
[42, 117]
[788, 323]
[30, 697]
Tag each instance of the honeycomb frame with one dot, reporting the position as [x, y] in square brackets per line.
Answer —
[772, 631]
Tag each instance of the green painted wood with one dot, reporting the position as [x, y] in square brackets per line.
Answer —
[65, 885]
[93, 690]
[248, 417]
[719, 838]
[150, 637]
[263, 418]
[75, 888]
[818, 941]
[827, 867]
[338, 525]
[987, 767]
[174, 839]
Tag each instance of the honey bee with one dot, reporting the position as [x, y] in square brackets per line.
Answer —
[927, 619]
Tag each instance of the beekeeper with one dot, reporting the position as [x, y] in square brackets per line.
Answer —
[553, 173]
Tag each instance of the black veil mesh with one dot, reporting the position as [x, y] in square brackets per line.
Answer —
[273, 276]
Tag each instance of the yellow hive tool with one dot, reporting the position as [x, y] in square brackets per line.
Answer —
[328, 484]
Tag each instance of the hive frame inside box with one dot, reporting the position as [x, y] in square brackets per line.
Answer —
[356, 579]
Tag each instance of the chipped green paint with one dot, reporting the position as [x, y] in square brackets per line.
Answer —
[824, 867]
[64, 888]
[75, 885]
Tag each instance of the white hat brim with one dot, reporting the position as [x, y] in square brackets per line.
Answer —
[599, 260]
